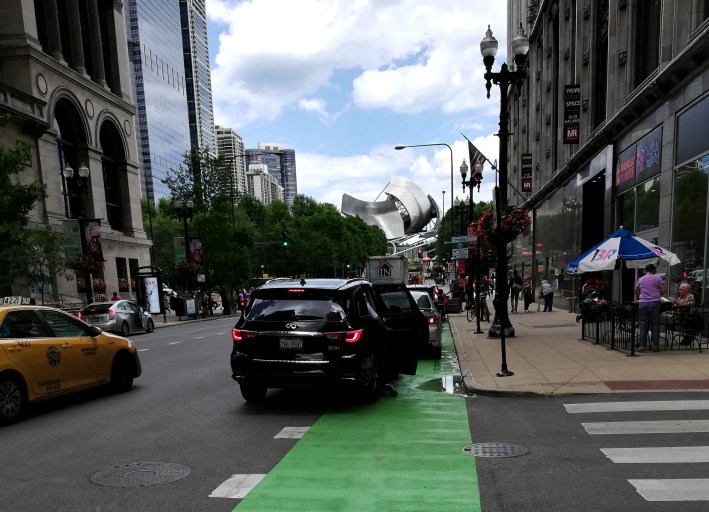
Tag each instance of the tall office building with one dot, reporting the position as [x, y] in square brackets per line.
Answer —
[262, 185]
[158, 72]
[230, 145]
[281, 165]
[198, 77]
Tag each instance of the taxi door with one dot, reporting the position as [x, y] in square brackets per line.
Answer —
[409, 329]
[33, 351]
[83, 355]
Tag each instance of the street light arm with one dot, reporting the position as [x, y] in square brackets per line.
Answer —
[400, 147]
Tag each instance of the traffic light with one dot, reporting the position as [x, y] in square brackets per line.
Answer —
[263, 265]
[285, 239]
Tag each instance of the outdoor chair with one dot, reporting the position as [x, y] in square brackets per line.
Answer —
[688, 326]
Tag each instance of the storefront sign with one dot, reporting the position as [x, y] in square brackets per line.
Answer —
[639, 162]
[526, 172]
[572, 113]
[624, 178]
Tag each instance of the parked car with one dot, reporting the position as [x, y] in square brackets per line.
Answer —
[320, 332]
[46, 352]
[425, 303]
[121, 316]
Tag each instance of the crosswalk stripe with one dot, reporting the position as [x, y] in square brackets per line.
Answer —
[689, 489]
[291, 433]
[660, 405]
[238, 486]
[658, 455]
[646, 427]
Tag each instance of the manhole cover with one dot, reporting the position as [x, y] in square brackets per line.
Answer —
[495, 450]
[140, 474]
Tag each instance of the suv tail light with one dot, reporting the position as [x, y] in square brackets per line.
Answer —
[239, 335]
[432, 319]
[346, 336]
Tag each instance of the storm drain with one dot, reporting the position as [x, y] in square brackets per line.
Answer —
[495, 450]
[140, 474]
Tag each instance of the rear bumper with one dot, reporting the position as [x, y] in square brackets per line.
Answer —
[346, 371]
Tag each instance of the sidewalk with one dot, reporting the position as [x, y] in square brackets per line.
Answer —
[172, 319]
[548, 357]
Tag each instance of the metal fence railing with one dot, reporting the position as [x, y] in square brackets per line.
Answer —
[613, 324]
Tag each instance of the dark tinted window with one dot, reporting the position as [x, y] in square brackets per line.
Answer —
[279, 309]
[396, 299]
[98, 309]
[22, 324]
[65, 326]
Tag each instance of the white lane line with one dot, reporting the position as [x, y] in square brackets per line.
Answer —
[220, 333]
[143, 349]
[658, 455]
[291, 433]
[646, 427]
[238, 486]
[659, 405]
[200, 337]
[174, 343]
[688, 489]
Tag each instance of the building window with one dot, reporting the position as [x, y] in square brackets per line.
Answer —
[648, 200]
[626, 210]
[647, 39]
[600, 64]
[689, 221]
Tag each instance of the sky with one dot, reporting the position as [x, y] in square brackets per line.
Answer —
[344, 81]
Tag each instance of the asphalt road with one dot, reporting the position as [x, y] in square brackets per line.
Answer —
[573, 461]
[184, 410]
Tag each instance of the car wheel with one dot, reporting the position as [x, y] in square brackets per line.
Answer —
[371, 378]
[253, 393]
[125, 330]
[151, 326]
[121, 374]
[12, 399]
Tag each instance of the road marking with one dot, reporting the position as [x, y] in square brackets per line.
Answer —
[291, 433]
[174, 343]
[660, 405]
[689, 489]
[646, 427]
[238, 486]
[199, 337]
[143, 349]
[658, 455]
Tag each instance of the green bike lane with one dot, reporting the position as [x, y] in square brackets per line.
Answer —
[402, 453]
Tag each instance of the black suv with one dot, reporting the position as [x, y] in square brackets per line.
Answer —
[321, 332]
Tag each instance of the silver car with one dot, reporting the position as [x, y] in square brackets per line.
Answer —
[121, 316]
[433, 317]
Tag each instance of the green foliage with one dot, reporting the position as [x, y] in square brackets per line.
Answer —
[16, 201]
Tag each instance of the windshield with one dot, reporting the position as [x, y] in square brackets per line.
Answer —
[423, 300]
[295, 309]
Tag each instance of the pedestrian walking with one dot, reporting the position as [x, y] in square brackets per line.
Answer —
[649, 290]
[527, 293]
[515, 284]
[547, 293]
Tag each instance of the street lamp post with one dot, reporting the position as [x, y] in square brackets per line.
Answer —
[504, 78]
[77, 181]
[398, 148]
[476, 177]
[183, 209]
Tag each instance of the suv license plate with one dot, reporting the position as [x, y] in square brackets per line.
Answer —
[291, 343]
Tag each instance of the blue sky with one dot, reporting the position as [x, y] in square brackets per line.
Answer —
[344, 81]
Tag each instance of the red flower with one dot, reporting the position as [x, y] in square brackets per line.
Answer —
[515, 222]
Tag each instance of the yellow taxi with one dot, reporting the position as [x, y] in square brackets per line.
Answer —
[46, 352]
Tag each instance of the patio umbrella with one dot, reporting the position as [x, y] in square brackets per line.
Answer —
[622, 245]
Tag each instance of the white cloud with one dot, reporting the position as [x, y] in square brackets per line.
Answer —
[408, 55]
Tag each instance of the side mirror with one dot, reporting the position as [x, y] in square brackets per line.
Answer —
[94, 331]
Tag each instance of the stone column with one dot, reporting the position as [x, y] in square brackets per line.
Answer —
[54, 40]
[75, 39]
[96, 45]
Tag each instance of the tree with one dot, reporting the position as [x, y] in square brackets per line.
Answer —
[16, 201]
[40, 257]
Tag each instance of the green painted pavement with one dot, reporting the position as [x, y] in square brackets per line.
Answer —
[401, 454]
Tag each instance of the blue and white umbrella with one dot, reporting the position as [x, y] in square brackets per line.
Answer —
[625, 246]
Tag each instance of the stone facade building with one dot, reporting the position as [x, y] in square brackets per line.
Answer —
[65, 80]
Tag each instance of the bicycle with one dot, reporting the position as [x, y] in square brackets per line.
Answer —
[471, 308]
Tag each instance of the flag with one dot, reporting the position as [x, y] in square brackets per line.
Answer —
[476, 157]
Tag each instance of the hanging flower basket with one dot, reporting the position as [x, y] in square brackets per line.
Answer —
[123, 284]
[84, 263]
[515, 222]
[184, 267]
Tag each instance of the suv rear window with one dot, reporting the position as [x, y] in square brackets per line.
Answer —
[305, 308]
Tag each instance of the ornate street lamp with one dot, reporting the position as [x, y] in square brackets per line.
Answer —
[504, 78]
[473, 251]
[183, 210]
[77, 181]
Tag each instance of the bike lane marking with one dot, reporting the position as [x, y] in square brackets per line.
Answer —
[402, 453]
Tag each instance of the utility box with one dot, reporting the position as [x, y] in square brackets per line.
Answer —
[387, 270]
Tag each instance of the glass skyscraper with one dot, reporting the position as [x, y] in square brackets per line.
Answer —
[198, 77]
[281, 165]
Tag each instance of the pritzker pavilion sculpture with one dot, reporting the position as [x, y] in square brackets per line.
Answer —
[406, 211]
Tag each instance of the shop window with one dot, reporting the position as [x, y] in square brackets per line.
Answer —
[648, 200]
[626, 210]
